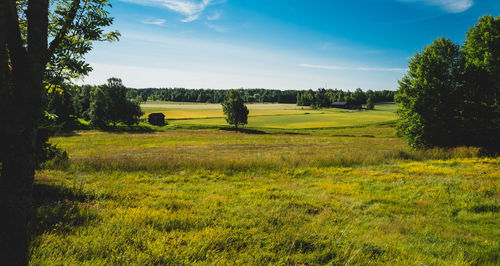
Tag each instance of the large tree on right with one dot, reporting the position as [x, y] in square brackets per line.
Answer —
[450, 95]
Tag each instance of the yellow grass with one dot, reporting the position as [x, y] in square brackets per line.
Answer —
[284, 116]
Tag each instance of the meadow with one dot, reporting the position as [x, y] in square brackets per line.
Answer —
[268, 115]
[347, 191]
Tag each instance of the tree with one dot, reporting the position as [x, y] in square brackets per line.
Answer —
[369, 104]
[234, 108]
[60, 103]
[358, 97]
[450, 96]
[109, 104]
[81, 102]
[29, 64]
[482, 111]
[98, 108]
[429, 96]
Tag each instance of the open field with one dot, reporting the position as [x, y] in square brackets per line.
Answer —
[285, 116]
[297, 121]
[175, 110]
[317, 196]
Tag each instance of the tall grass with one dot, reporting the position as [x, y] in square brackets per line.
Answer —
[339, 196]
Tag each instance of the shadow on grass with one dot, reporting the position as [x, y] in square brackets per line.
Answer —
[60, 209]
[44, 194]
[67, 134]
[292, 133]
[129, 129]
[244, 130]
[353, 136]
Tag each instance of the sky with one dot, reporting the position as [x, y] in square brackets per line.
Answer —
[275, 44]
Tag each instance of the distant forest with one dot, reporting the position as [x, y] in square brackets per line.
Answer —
[315, 98]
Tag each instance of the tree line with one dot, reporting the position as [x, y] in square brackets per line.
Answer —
[210, 95]
[315, 98]
[323, 98]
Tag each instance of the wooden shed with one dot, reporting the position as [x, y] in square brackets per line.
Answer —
[157, 119]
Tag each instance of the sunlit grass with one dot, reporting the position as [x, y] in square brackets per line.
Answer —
[204, 110]
[339, 196]
[286, 116]
[299, 121]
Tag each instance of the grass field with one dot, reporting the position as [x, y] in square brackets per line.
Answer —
[285, 116]
[345, 195]
[206, 110]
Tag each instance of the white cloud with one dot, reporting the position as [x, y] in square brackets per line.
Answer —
[384, 69]
[214, 16]
[324, 67]
[154, 21]
[192, 9]
[217, 28]
[452, 6]
[191, 18]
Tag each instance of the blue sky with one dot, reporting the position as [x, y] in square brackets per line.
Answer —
[275, 44]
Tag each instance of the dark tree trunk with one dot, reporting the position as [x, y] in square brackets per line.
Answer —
[18, 161]
[21, 92]
[15, 198]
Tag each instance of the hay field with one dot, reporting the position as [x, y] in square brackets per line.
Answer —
[203, 110]
[284, 116]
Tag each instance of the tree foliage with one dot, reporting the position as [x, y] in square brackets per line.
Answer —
[319, 98]
[370, 105]
[450, 95]
[234, 108]
[323, 98]
[109, 104]
[482, 54]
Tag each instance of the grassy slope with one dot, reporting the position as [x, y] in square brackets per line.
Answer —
[215, 196]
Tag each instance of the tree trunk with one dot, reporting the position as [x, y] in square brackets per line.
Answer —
[22, 113]
[16, 184]
[18, 162]
[21, 92]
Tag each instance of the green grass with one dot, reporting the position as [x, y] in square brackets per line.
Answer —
[341, 195]
[328, 119]
[204, 110]
[284, 116]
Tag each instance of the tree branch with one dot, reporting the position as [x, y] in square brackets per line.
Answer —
[54, 44]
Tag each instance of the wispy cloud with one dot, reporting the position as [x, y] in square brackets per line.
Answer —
[154, 21]
[452, 6]
[191, 9]
[215, 16]
[217, 28]
[330, 67]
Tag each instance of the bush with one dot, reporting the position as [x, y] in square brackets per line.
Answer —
[53, 157]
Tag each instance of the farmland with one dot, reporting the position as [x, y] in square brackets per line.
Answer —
[287, 116]
[330, 186]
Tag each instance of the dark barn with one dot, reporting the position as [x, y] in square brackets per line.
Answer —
[157, 119]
